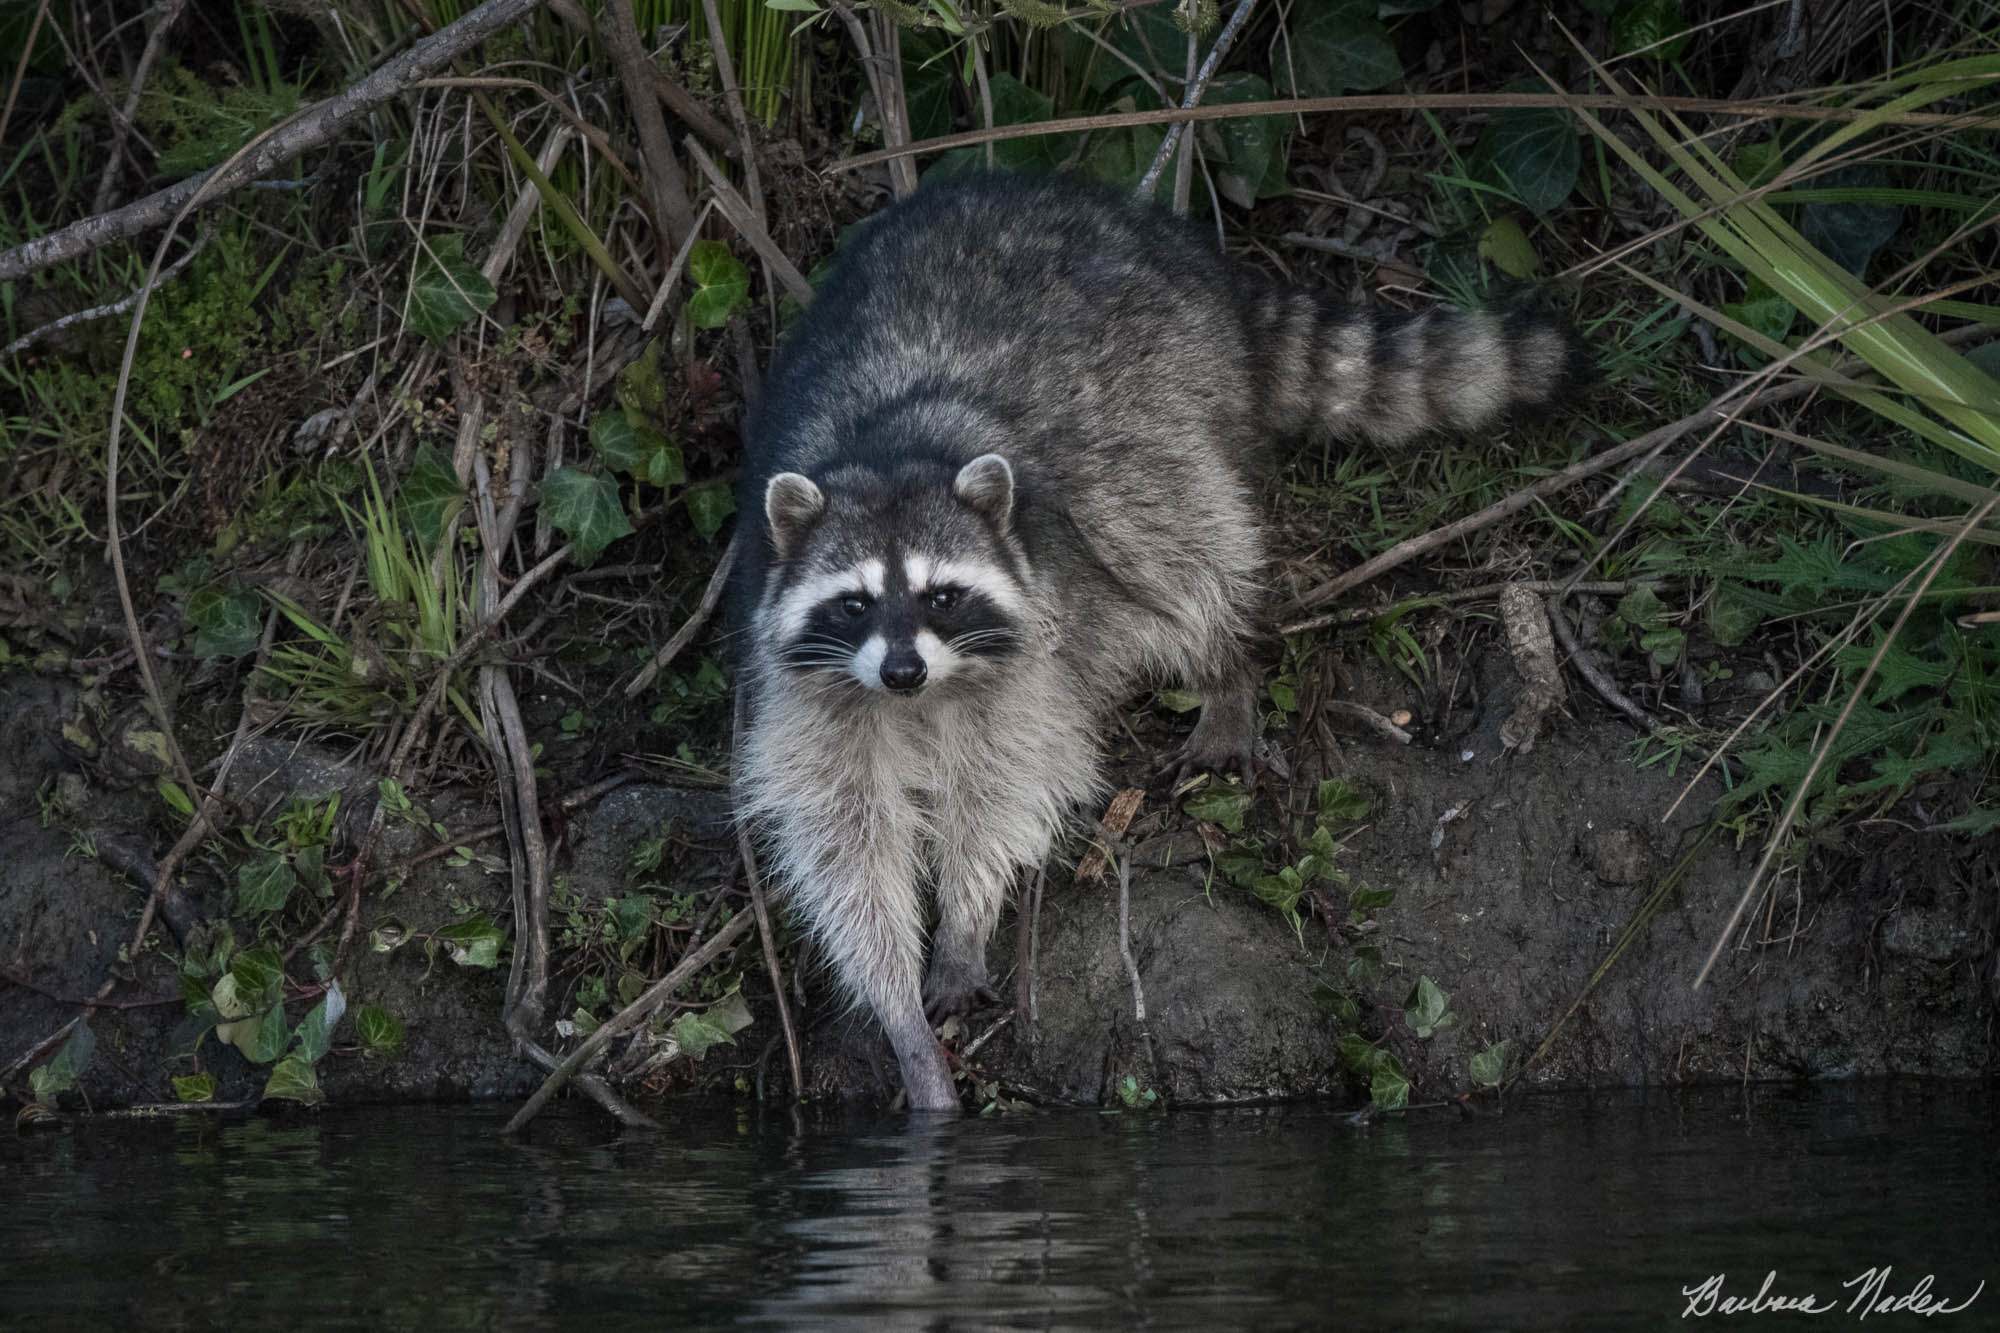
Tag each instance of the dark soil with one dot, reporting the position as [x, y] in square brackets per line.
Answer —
[1514, 873]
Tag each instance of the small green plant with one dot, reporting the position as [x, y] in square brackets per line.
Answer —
[1311, 877]
[1133, 1097]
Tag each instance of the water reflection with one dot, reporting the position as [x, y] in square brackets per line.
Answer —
[1585, 1212]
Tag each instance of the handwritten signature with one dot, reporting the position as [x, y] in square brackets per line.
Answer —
[1871, 1296]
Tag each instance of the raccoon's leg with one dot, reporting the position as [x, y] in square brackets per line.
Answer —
[868, 916]
[970, 894]
[1225, 736]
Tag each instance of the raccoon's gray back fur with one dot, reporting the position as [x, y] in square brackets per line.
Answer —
[1006, 471]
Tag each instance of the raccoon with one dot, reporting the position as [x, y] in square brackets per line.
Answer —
[1006, 471]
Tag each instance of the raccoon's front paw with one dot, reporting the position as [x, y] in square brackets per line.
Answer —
[956, 988]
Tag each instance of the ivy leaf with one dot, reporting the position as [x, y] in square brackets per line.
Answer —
[448, 290]
[628, 445]
[1342, 801]
[1364, 899]
[430, 495]
[1357, 1053]
[1224, 805]
[315, 1035]
[709, 507]
[381, 1032]
[473, 942]
[1015, 103]
[1532, 153]
[194, 1087]
[261, 1037]
[1177, 701]
[264, 883]
[226, 623]
[294, 1080]
[721, 284]
[1240, 150]
[257, 978]
[59, 1075]
[1850, 231]
[1428, 1008]
[1338, 48]
[1490, 1065]
[1644, 22]
[584, 507]
[1389, 1089]
[207, 948]
[697, 1033]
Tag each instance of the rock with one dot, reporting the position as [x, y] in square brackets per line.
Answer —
[1923, 932]
[1619, 855]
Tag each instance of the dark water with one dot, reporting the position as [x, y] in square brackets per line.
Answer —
[1574, 1212]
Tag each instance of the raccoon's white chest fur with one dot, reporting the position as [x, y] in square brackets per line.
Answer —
[958, 790]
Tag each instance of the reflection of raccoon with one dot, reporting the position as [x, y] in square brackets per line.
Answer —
[1005, 472]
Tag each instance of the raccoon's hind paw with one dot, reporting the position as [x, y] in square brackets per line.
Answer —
[1251, 756]
[952, 990]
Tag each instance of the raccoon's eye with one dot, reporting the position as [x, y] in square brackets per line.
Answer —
[944, 599]
[855, 605]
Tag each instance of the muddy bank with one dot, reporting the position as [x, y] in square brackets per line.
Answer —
[1514, 876]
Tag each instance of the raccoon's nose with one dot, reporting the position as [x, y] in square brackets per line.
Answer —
[903, 671]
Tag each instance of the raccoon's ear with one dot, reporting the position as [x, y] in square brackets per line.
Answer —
[987, 484]
[792, 504]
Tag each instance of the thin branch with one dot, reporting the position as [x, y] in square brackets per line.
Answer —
[118, 307]
[629, 1017]
[21, 67]
[744, 218]
[732, 96]
[666, 183]
[710, 596]
[312, 127]
[1594, 675]
[121, 124]
[673, 97]
[1192, 98]
[1752, 110]
[1356, 615]
[1367, 717]
[769, 940]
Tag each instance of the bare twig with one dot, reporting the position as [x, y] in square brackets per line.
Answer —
[630, 1016]
[666, 183]
[1593, 675]
[1191, 98]
[1124, 865]
[682, 103]
[1357, 615]
[1367, 717]
[121, 124]
[311, 128]
[768, 938]
[744, 218]
[1751, 110]
[879, 68]
[732, 96]
[710, 596]
[118, 307]
[21, 67]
